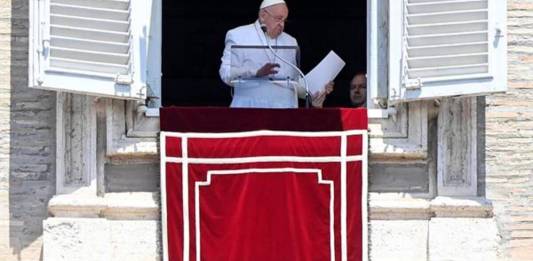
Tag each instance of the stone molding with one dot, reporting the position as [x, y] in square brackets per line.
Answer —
[146, 206]
[457, 147]
[389, 208]
[115, 206]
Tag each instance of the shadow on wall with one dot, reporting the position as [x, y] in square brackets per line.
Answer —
[32, 147]
[481, 147]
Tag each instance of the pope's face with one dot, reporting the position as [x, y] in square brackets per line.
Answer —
[358, 90]
[274, 17]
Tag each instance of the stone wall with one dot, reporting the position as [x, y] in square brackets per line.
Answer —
[27, 142]
[27, 139]
[509, 139]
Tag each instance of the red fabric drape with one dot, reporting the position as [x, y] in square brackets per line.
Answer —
[206, 119]
[260, 196]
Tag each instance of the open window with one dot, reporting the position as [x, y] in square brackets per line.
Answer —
[96, 47]
[417, 49]
[446, 48]
[193, 42]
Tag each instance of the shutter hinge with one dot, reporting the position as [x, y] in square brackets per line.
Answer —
[123, 79]
[413, 84]
[499, 34]
[44, 48]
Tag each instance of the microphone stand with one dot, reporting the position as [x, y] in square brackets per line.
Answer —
[307, 96]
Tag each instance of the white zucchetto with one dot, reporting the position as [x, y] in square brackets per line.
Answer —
[267, 3]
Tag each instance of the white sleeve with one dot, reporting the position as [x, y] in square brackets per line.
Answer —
[226, 73]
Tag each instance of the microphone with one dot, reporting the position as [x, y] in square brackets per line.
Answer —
[307, 95]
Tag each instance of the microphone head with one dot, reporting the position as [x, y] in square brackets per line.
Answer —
[264, 28]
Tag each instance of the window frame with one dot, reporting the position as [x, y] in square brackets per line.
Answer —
[376, 93]
[379, 37]
[374, 110]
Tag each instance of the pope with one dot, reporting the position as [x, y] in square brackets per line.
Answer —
[263, 65]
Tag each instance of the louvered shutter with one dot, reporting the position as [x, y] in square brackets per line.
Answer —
[446, 48]
[95, 47]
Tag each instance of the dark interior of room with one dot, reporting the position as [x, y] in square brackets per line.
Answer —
[193, 41]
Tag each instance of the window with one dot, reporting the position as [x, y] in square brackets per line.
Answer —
[417, 49]
[193, 41]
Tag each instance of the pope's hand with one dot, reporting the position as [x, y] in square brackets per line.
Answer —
[267, 69]
[329, 87]
[318, 98]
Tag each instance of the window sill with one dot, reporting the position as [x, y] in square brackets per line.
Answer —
[145, 206]
[123, 206]
[372, 113]
[152, 112]
[401, 207]
[381, 113]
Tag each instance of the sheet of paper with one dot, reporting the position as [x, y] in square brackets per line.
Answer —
[324, 72]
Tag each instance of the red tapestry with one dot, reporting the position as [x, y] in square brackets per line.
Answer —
[264, 195]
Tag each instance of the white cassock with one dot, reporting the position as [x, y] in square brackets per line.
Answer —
[260, 93]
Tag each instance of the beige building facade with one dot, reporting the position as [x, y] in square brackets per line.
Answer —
[450, 178]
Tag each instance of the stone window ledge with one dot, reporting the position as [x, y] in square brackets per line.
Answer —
[119, 206]
[146, 206]
[405, 208]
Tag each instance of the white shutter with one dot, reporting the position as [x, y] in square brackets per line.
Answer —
[95, 47]
[446, 48]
